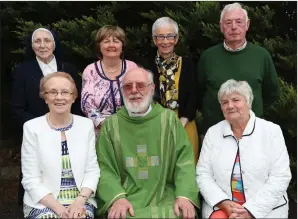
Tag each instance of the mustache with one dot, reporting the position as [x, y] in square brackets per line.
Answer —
[132, 96]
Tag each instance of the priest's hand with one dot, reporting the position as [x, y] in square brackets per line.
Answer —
[185, 206]
[119, 209]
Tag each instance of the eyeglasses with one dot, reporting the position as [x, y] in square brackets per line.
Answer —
[140, 86]
[54, 93]
[46, 41]
[163, 37]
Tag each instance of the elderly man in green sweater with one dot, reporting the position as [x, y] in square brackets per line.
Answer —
[237, 59]
[145, 157]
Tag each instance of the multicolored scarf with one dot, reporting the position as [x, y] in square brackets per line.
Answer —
[168, 82]
[237, 184]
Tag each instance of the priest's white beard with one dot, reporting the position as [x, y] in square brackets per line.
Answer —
[135, 107]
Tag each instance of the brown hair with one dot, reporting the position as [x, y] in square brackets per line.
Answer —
[107, 31]
[45, 79]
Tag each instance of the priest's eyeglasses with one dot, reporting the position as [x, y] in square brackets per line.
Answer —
[140, 86]
[54, 93]
[163, 37]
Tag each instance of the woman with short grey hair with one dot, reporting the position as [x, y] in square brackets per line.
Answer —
[240, 87]
[174, 78]
[243, 170]
[163, 22]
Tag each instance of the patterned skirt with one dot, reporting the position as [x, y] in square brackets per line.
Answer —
[45, 213]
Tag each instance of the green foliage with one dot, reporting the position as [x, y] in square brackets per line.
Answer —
[284, 111]
[24, 28]
[80, 42]
[272, 25]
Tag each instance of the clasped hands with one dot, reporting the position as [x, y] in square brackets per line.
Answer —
[121, 206]
[234, 210]
[75, 210]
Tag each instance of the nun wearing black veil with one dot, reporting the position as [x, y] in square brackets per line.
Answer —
[42, 57]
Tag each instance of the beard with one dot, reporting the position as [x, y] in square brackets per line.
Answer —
[135, 107]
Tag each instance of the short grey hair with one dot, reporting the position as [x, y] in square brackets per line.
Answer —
[149, 72]
[233, 86]
[164, 21]
[232, 7]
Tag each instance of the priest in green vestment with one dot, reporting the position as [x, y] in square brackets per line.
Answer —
[145, 157]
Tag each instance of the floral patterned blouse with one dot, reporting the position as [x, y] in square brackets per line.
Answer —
[101, 96]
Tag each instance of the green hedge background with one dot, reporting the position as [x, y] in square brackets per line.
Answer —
[273, 26]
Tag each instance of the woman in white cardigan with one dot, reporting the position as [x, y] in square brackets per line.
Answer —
[243, 170]
[59, 162]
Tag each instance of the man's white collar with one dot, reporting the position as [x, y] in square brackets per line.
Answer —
[236, 50]
[139, 114]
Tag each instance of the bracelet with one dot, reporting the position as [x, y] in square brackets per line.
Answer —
[84, 197]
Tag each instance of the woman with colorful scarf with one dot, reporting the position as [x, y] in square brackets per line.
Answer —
[244, 168]
[174, 78]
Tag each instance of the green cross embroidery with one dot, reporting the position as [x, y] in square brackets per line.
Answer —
[142, 161]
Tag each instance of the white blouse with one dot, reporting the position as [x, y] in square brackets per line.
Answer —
[49, 68]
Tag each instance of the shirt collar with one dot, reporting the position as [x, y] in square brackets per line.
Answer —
[140, 114]
[47, 68]
[236, 50]
[250, 126]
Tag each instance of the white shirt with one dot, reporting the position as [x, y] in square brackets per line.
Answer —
[139, 114]
[47, 68]
[236, 50]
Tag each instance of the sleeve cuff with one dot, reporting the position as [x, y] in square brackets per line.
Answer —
[38, 194]
[188, 200]
[120, 195]
[91, 183]
[215, 206]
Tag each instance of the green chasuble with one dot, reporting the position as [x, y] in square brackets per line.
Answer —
[148, 160]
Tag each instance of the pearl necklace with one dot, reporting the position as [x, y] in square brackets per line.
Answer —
[60, 129]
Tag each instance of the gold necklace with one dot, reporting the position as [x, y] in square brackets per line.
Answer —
[111, 71]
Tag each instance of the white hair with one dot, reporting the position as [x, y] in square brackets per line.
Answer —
[164, 21]
[150, 76]
[46, 30]
[232, 7]
[233, 86]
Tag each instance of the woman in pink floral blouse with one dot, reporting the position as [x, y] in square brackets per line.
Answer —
[101, 95]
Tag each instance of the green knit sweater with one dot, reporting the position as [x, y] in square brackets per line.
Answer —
[217, 65]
